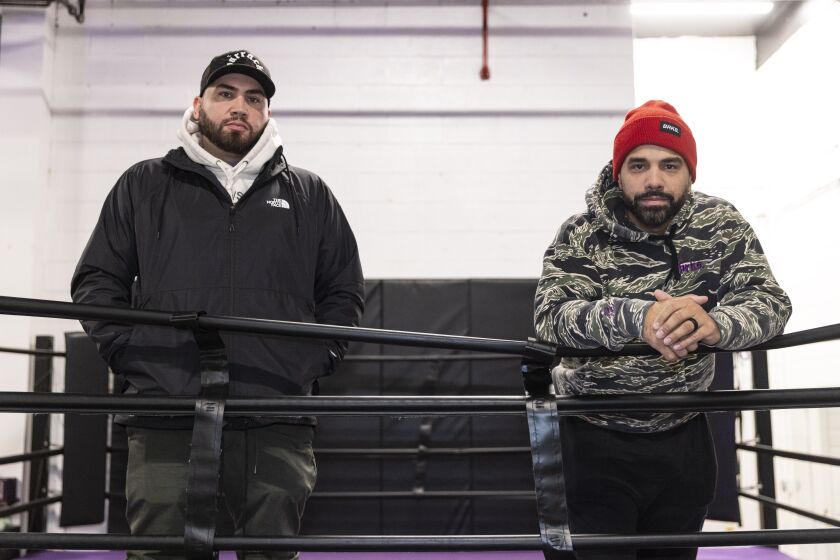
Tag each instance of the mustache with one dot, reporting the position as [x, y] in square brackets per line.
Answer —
[652, 194]
[238, 120]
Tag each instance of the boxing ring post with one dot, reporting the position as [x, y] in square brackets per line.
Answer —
[764, 435]
[36, 473]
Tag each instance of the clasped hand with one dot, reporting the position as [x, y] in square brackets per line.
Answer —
[676, 325]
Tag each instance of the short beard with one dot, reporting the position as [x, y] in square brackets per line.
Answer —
[654, 217]
[230, 141]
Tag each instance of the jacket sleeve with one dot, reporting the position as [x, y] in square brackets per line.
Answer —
[107, 269]
[339, 284]
[752, 307]
[570, 306]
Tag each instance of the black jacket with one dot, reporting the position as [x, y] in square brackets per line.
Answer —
[169, 239]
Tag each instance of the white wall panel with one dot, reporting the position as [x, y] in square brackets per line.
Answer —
[795, 119]
[24, 148]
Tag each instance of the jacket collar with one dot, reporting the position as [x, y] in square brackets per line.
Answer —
[179, 159]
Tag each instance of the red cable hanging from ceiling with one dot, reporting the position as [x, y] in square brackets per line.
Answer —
[485, 69]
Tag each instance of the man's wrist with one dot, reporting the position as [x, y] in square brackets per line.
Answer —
[724, 327]
[638, 310]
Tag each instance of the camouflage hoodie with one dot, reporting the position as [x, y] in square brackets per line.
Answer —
[597, 283]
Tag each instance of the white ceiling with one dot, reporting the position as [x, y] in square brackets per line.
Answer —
[710, 26]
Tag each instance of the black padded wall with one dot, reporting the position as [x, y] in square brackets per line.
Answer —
[460, 307]
[357, 473]
[433, 306]
[502, 309]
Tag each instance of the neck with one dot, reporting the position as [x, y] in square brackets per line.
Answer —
[227, 157]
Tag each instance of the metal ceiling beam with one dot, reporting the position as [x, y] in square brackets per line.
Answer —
[75, 9]
[787, 18]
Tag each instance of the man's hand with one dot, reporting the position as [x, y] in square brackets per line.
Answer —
[670, 325]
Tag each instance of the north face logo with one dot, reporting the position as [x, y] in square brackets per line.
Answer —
[278, 203]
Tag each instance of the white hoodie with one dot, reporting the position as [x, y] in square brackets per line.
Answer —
[235, 179]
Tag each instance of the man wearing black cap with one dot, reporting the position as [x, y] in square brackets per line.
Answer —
[650, 260]
[222, 225]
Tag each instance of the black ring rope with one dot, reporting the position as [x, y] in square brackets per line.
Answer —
[64, 310]
[377, 358]
[713, 401]
[32, 352]
[433, 494]
[31, 456]
[779, 505]
[399, 452]
[82, 541]
[29, 506]
[767, 450]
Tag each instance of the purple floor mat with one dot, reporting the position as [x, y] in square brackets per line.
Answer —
[728, 553]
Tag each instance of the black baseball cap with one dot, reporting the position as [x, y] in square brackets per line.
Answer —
[238, 62]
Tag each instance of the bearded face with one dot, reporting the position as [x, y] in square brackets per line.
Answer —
[231, 114]
[233, 134]
[655, 183]
[654, 209]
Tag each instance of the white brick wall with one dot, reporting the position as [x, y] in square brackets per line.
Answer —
[384, 102]
[24, 149]
[797, 124]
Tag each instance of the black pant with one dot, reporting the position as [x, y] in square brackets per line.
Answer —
[628, 483]
[267, 474]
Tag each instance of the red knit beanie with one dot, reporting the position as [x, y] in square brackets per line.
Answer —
[657, 123]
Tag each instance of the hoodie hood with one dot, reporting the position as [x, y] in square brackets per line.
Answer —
[235, 179]
[605, 203]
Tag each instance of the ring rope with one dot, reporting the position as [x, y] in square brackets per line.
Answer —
[64, 310]
[713, 401]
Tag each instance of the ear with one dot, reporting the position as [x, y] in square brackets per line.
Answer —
[196, 106]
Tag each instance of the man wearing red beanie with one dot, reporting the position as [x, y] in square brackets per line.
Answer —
[649, 261]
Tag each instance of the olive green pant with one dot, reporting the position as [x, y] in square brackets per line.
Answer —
[267, 473]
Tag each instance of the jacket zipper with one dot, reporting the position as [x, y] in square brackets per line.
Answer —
[232, 230]
[232, 255]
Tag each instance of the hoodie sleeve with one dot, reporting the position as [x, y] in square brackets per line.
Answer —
[570, 306]
[752, 307]
[339, 284]
[107, 268]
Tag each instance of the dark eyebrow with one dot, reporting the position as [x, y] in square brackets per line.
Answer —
[672, 160]
[247, 92]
